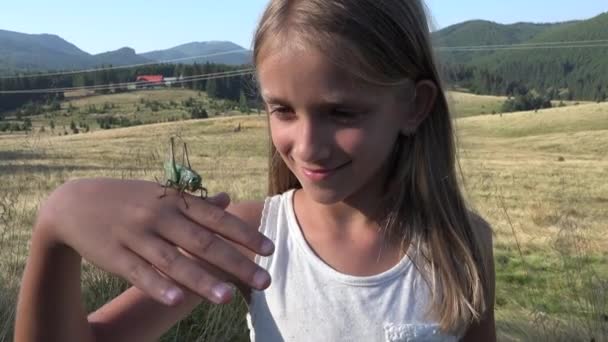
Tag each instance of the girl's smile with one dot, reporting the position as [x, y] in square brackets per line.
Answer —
[319, 174]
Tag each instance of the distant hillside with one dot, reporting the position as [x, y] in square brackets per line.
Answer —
[124, 56]
[572, 72]
[481, 32]
[20, 52]
[242, 56]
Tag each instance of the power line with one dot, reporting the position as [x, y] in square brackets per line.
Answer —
[570, 42]
[526, 48]
[529, 46]
[60, 73]
[227, 74]
[523, 46]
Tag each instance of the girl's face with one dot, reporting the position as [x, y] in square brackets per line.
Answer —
[333, 132]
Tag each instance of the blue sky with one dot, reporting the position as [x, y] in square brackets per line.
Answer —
[153, 24]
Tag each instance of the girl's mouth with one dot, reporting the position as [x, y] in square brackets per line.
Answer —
[321, 174]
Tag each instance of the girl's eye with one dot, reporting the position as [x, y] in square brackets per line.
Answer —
[283, 113]
[345, 116]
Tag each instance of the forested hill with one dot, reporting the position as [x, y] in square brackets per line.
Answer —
[575, 69]
[27, 53]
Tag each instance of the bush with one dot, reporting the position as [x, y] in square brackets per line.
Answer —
[529, 101]
[198, 113]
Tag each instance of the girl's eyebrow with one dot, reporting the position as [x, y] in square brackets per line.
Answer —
[273, 99]
[325, 100]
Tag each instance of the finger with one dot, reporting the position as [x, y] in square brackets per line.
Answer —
[181, 269]
[229, 226]
[142, 275]
[211, 248]
[221, 200]
[216, 272]
[244, 288]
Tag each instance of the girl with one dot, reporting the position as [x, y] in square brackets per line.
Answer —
[371, 238]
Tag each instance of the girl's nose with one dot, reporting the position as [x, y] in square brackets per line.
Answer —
[312, 142]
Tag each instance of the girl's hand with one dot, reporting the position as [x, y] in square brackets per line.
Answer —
[123, 227]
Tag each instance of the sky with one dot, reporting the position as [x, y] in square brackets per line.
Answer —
[100, 26]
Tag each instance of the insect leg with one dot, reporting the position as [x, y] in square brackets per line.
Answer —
[184, 197]
[167, 185]
[203, 192]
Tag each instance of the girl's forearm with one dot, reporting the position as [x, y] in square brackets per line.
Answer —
[50, 306]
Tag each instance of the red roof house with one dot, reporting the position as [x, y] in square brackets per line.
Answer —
[150, 80]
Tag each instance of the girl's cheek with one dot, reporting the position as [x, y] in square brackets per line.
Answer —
[351, 140]
[280, 138]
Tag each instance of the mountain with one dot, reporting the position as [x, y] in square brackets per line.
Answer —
[574, 69]
[21, 52]
[123, 56]
[482, 32]
[238, 56]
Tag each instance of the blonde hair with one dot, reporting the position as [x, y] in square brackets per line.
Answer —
[387, 43]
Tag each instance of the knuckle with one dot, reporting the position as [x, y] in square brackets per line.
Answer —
[167, 259]
[204, 241]
[216, 215]
[141, 215]
[135, 273]
[203, 284]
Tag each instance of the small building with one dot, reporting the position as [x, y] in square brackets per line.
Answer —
[169, 81]
[149, 81]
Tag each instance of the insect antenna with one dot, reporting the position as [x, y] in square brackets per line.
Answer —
[186, 154]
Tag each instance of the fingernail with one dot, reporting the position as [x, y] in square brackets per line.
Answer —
[221, 291]
[260, 279]
[267, 246]
[173, 295]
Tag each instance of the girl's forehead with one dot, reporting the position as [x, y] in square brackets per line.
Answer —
[298, 70]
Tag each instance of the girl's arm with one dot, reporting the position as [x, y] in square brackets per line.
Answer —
[50, 306]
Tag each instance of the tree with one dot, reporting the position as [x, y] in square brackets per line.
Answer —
[211, 88]
[27, 124]
[243, 106]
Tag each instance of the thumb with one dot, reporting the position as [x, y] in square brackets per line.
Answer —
[219, 200]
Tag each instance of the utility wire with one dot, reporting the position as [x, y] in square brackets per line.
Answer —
[228, 74]
[459, 49]
[60, 73]
[523, 46]
[570, 42]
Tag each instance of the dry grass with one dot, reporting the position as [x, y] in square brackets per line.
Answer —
[467, 104]
[539, 179]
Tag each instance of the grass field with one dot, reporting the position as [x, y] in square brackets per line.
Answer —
[538, 178]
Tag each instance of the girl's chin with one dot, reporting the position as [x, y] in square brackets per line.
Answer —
[322, 195]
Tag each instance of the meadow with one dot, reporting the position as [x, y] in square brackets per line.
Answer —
[539, 178]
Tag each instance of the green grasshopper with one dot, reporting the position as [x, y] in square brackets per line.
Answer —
[180, 176]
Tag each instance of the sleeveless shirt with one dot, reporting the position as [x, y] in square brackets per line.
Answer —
[309, 300]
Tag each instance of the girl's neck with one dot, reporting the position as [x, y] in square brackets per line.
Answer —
[345, 237]
[342, 219]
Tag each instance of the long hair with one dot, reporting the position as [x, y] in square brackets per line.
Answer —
[387, 43]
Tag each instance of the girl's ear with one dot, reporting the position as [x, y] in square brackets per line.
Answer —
[424, 100]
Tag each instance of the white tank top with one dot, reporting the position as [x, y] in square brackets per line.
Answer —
[310, 301]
